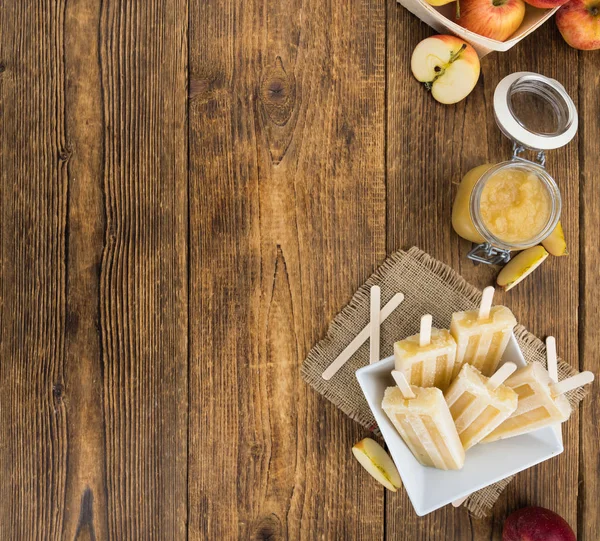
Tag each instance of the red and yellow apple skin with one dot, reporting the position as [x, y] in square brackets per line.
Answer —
[494, 19]
[438, 2]
[546, 4]
[579, 23]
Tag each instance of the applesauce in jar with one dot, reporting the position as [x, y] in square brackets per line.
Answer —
[512, 205]
[515, 205]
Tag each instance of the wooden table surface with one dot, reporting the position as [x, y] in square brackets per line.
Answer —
[190, 192]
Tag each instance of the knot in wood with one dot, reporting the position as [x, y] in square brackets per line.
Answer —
[207, 84]
[64, 154]
[2, 67]
[57, 391]
[277, 89]
[278, 93]
[256, 450]
[268, 528]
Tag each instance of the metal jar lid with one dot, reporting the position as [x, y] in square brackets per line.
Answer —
[536, 112]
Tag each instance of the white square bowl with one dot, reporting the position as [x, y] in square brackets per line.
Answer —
[430, 488]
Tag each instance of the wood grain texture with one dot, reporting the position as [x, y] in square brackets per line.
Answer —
[143, 274]
[86, 511]
[546, 304]
[94, 270]
[33, 217]
[424, 149]
[430, 148]
[589, 308]
[287, 217]
[189, 192]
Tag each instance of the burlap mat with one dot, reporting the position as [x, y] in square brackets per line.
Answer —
[431, 287]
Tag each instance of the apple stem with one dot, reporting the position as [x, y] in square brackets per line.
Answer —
[455, 55]
[458, 9]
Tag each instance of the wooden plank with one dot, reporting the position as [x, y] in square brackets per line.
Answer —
[430, 147]
[143, 274]
[423, 156]
[93, 149]
[33, 218]
[86, 511]
[547, 300]
[588, 518]
[287, 218]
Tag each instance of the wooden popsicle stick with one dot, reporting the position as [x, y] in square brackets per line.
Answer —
[361, 338]
[486, 302]
[460, 501]
[374, 333]
[552, 358]
[425, 332]
[501, 375]
[552, 361]
[571, 383]
[400, 380]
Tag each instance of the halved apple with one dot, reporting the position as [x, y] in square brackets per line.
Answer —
[446, 65]
[555, 242]
[523, 264]
[378, 463]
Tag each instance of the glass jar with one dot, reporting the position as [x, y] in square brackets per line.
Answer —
[516, 204]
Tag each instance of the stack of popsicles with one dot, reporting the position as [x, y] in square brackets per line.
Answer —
[450, 394]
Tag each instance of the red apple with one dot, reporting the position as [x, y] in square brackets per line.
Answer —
[536, 524]
[495, 19]
[579, 23]
[546, 4]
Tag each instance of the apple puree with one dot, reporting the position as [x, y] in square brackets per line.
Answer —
[515, 205]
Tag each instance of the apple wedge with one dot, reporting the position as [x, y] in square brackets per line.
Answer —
[446, 65]
[378, 463]
[555, 242]
[523, 264]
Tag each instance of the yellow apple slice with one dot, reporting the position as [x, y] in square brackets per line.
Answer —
[555, 243]
[378, 463]
[521, 266]
[446, 65]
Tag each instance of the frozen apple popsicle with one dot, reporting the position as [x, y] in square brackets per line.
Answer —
[423, 419]
[482, 335]
[427, 359]
[478, 404]
[541, 401]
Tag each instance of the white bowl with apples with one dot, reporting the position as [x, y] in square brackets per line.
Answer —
[488, 25]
